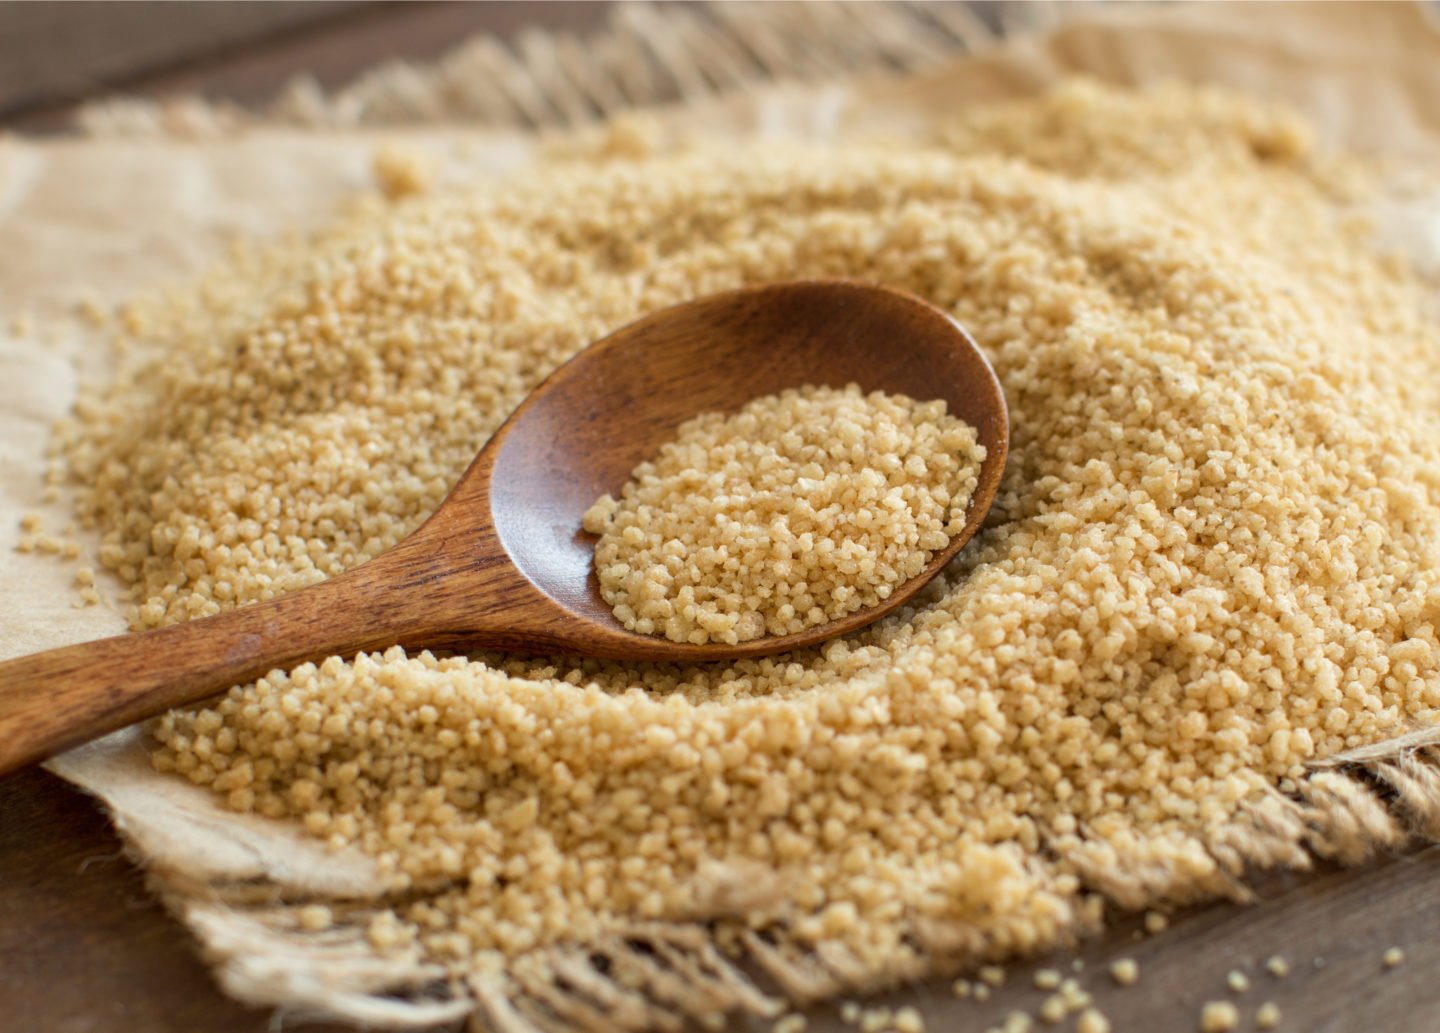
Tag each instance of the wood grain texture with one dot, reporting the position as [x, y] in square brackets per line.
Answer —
[52, 53]
[243, 52]
[503, 563]
[84, 946]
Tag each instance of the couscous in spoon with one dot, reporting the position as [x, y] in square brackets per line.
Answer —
[503, 563]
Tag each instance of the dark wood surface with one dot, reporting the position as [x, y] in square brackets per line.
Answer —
[55, 55]
[84, 948]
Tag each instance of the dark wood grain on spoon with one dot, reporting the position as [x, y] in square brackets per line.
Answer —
[503, 563]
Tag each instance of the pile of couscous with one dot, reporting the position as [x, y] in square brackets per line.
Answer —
[1215, 556]
[801, 508]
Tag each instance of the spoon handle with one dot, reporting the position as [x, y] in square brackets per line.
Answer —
[54, 700]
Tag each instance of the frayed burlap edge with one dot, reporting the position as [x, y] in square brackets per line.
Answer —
[646, 54]
[666, 976]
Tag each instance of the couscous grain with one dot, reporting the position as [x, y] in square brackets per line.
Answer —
[1213, 559]
[1219, 1017]
[1053, 1010]
[993, 975]
[1267, 1016]
[909, 1020]
[797, 510]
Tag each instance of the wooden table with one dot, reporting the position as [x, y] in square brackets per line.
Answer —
[54, 55]
[84, 947]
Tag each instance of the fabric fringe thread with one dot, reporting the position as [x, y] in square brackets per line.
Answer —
[666, 977]
[646, 54]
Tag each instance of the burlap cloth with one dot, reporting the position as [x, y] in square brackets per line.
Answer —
[103, 217]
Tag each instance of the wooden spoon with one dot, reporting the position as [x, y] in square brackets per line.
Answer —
[503, 563]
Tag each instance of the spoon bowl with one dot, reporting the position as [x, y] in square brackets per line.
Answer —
[503, 563]
[613, 406]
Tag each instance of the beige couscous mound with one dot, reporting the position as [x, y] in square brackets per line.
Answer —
[797, 510]
[1214, 558]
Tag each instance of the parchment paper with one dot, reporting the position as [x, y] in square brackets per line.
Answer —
[104, 219]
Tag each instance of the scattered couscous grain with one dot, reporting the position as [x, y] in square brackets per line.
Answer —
[792, 1023]
[876, 1020]
[1125, 971]
[992, 975]
[909, 1020]
[93, 311]
[1219, 1017]
[1053, 1010]
[315, 917]
[1092, 1021]
[1237, 981]
[402, 171]
[798, 510]
[1018, 1022]
[1267, 1016]
[1277, 966]
[961, 988]
[1074, 996]
[46, 544]
[1155, 922]
[1047, 979]
[1394, 957]
[980, 992]
[1212, 560]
